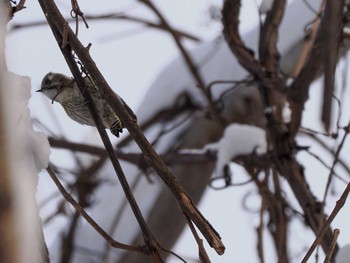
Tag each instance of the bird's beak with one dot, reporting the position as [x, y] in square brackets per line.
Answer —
[39, 90]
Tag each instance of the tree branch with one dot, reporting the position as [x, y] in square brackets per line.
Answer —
[113, 16]
[57, 22]
[332, 31]
[52, 15]
[268, 52]
[86, 216]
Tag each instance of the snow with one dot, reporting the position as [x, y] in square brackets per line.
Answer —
[239, 140]
[286, 113]
[32, 147]
[28, 153]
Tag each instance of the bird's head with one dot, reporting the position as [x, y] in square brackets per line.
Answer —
[53, 84]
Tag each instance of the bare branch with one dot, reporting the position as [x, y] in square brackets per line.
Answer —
[268, 52]
[299, 91]
[189, 62]
[56, 22]
[339, 205]
[332, 31]
[330, 252]
[336, 160]
[52, 16]
[113, 16]
[245, 56]
[280, 136]
[88, 219]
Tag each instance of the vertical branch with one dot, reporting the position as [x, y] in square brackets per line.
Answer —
[332, 31]
[326, 41]
[268, 52]
[280, 135]
[244, 55]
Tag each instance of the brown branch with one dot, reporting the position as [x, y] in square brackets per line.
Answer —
[276, 206]
[88, 219]
[52, 14]
[188, 60]
[268, 52]
[332, 31]
[12, 8]
[260, 228]
[136, 158]
[57, 21]
[182, 104]
[330, 252]
[75, 13]
[309, 41]
[117, 218]
[298, 93]
[203, 255]
[280, 136]
[18, 7]
[113, 16]
[336, 160]
[244, 55]
[339, 205]
[341, 162]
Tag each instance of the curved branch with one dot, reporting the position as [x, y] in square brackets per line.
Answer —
[244, 55]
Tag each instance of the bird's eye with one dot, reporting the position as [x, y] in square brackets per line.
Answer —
[47, 82]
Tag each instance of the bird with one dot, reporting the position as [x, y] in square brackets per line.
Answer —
[64, 90]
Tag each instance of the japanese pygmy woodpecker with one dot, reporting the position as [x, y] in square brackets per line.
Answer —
[64, 90]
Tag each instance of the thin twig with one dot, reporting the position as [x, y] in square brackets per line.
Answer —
[88, 219]
[118, 216]
[336, 160]
[203, 255]
[172, 158]
[332, 32]
[19, 6]
[113, 16]
[268, 52]
[341, 162]
[260, 229]
[189, 61]
[330, 252]
[339, 205]
[309, 41]
[318, 158]
[174, 254]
